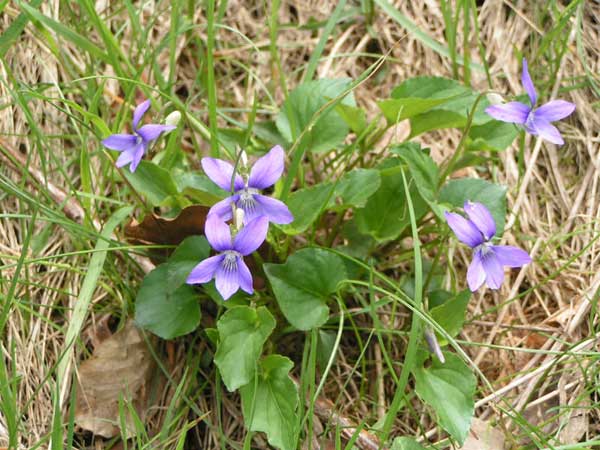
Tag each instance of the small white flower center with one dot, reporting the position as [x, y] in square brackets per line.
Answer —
[529, 122]
[230, 261]
[246, 200]
[484, 249]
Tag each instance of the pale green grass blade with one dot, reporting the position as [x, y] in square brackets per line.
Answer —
[15, 29]
[85, 295]
[423, 37]
[415, 328]
[318, 51]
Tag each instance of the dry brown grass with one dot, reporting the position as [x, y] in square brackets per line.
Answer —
[558, 205]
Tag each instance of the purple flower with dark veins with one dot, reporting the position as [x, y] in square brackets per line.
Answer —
[228, 267]
[247, 190]
[536, 121]
[488, 260]
[133, 146]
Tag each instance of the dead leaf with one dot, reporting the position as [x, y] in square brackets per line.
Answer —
[157, 230]
[120, 367]
[577, 425]
[483, 437]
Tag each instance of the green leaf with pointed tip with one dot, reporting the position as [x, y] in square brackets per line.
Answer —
[303, 284]
[355, 188]
[493, 135]
[493, 196]
[418, 95]
[385, 214]
[242, 333]
[325, 348]
[451, 314]
[406, 443]
[186, 256]
[152, 181]
[303, 103]
[354, 116]
[449, 389]
[271, 406]
[164, 310]
[422, 168]
[198, 187]
[306, 206]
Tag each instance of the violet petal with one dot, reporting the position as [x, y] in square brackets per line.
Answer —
[464, 229]
[227, 281]
[205, 271]
[223, 208]
[251, 236]
[152, 131]
[547, 131]
[217, 233]
[494, 272]
[267, 169]
[511, 256]
[139, 111]
[482, 218]
[512, 112]
[119, 142]
[528, 84]
[274, 209]
[137, 157]
[554, 110]
[245, 277]
[475, 274]
[220, 173]
[125, 157]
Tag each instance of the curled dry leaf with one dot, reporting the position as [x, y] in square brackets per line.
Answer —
[120, 367]
[158, 230]
[483, 437]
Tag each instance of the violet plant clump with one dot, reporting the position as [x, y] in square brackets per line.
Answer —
[488, 259]
[228, 267]
[367, 208]
[134, 146]
[247, 187]
[536, 121]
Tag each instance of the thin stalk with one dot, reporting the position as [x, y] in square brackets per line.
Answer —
[415, 332]
[459, 149]
[210, 78]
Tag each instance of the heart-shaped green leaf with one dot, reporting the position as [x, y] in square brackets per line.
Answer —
[303, 284]
[242, 333]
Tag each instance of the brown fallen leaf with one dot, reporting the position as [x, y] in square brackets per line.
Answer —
[577, 425]
[158, 230]
[483, 437]
[120, 367]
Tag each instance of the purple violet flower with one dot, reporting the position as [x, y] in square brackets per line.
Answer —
[536, 121]
[488, 260]
[133, 146]
[263, 173]
[228, 267]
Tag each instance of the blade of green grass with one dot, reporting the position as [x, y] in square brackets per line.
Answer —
[210, 78]
[316, 54]
[15, 29]
[85, 294]
[415, 329]
[78, 40]
[423, 37]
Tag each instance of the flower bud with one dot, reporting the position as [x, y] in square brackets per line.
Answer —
[495, 98]
[433, 344]
[244, 158]
[173, 118]
[239, 218]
